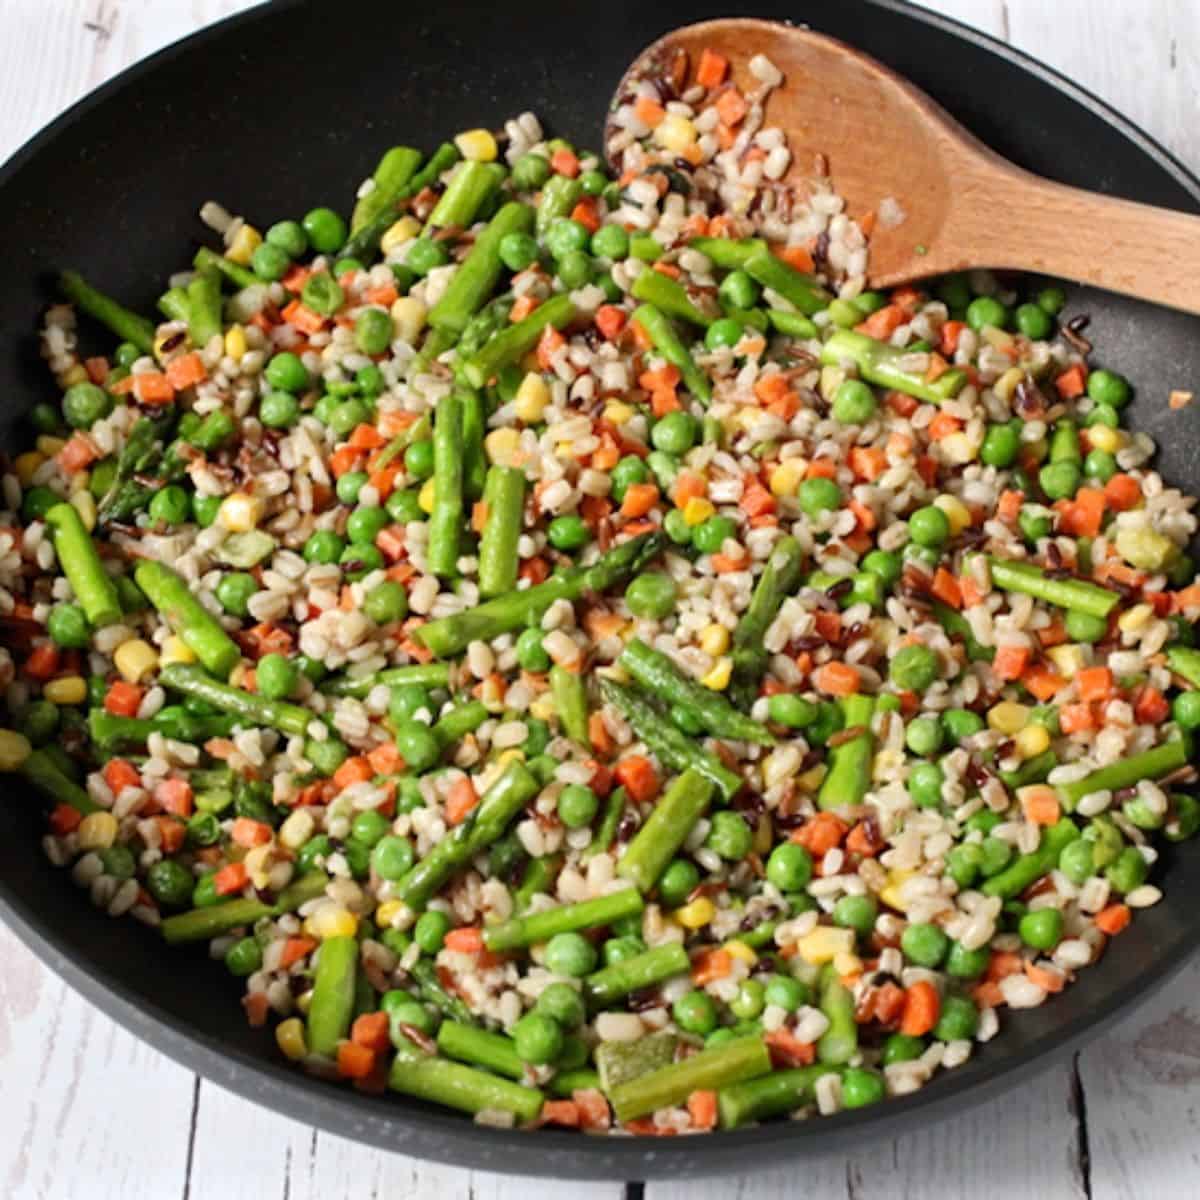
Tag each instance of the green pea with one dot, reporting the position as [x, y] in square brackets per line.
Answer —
[418, 459]
[790, 867]
[170, 883]
[38, 721]
[1034, 321]
[573, 269]
[531, 655]
[568, 532]
[171, 505]
[348, 416]
[695, 1012]
[819, 495]
[530, 171]
[326, 756]
[925, 945]
[966, 964]
[565, 235]
[68, 627]
[1060, 480]
[323, 546]
[628, 471]
[954, 292]
[386, 602]
[1000, 446]
[286, 372]
[677, 882]
[404, 506]
[984, 311]
[430, 930]
[1076, 861]
[1184, 819]
[959, 1020]
[393, 858]
[830, 720]
[1107, 387]
[424, 255]
[1052, 299]
[1128, 871]
[276, 676]
[857, 913]
[406, 700]
[1104, 415]
[204, 894]
[861, 1087]
[313, 853]
[725, 332]
[854, 402]
[570, 954]
[325, 229]
[914, 668]
[365, 524]
[359, 559]
[118, 860]
[929, 527]
[925, 784]
[577, 805]
[924, 735]
[270, 262]
[709, 536]
[369, 827]
[288, 236]
[279, 410]
[620, 949]
[1185, 708]
[749, 1001]
[645, 248]
[349, 485]
[676, 527]
[786, 708]
[562, 1004]
[783, 991]
[234, 591]
[676, 433]
[1099, 465]
[537, 1038]
[730, 836]
[902, 1047]
[244, 957]
[373, 331]
[518, 251]
[738, 290]
[406, 1011]
[610, 241]
[417, 744]
[1035, 522]
[84, 404]
[651, 595]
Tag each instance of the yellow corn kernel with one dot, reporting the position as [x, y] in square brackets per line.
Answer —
[742, 951]
[398, 234]
[890, 892]
[1007, 383]
[697, 914]
[289, 1037]
[812, 779]
[513, 755]
[425, 496]
[387, 912]
[73, 375]
[503, 447]
[176, 650]
[477, 145]
[258, 865]
[787, 477]
[847, 964]
[49, 445]
[697, 510]
[956, 513]
[134, 659]
[675, 133]
[297, 829]
[957, 448]
[245, 242]
[543, 708]
[1032, 741]
[304, 1002]
[718, 678]
[1008, 717]
[26, 466]
[68, 689]
[235, 342]
[1067, 659]
[240, 513]
[618, 412]
[832, 378]
[97, 831]
[714, 639]
[1136, 618]
[408, 318]
[824, 944]
[14, 749]
[330, 921]
[84, 503]
[1103, 438]
[997, 338]
[531, 399]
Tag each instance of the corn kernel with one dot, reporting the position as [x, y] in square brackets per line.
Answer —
[239, 512]
[832, 378]
[289, 1037]
[503, 447]
[408, 318]
[73, 375]
[245, 242]
[675, 133]
[97, 831]
[26, 466]
[718, 678]
[847, 964]
[714, 639]
[1067, 659]
[1103, 438]
[304, 1002]
[69, 689]
[398, 234]
[890, 893]
[297, 829]
[697, 914]
[477, 145]
[14, 749]
[330, 921]
[134, 659]
[49, 445]
[425, 496]
[543, 708]
[1007, 383]
[697, 510]
[824, 944]
[531, 399]
[235, 342]
[513, 755]
[387, 912]
[787, 478]
[618, 412]
[1032, 741]
[956, 512]
[258, 865]
[742, 951]
[1008, 717]
[1136, 618]
[84, 503]
[176, 650]
[957, 448]
[997, 338]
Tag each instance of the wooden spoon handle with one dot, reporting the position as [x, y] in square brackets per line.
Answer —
[1021, 221]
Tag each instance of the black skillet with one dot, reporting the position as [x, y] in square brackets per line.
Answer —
[288, 106]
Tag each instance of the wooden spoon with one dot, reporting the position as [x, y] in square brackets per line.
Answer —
[964, 206]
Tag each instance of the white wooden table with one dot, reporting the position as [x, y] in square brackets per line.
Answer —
[88, 1111]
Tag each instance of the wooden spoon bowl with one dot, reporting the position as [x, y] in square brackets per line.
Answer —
[963, 206]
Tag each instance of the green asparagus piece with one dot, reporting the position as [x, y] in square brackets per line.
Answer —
[538, 877]
[447, 517]
[453, 726]
[514, 342]
[881, 363]
[448, 636]
[743, 1058]
[43, 772]
[1032, 581]
[669, 297]
[665, 830]
[780, 578]
[608, 985]
[424, 975]
[173, 304]
[566, 1083]
[1185, 662]
[109, 733]
[849, 775]
[791, 324]
[542, 926]
[432, 675]
[570, 701]
[486, 823]
[80, 562]
[199, 629]
[465, 194]
[391, 176]
[190, 679]
[420, 430]
[771, 1095]
[606, 830]
[559, 197]
[658, 675]
[729, 254]
[332, 1006]
[956, 625]
[619, 1062]
[839, 1043]
[804, 291]
[674, 749]
[128, 326]
[239, 276]
[1127, 772]
[460, 1087]
[469, 1044]
[474, 430]
[504, 495]
[667, 343]
[200, 924]
[1016, 877]
[204, 307]
[1032, 770]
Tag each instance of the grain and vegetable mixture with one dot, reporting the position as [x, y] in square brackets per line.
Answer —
[582, 659]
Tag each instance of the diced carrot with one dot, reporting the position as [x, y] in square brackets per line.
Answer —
[907, 297]
[821, 468]
[1048, 977]
[371, 1030]
[947, 588]
[43, 661]
[354, 770]
[536, 570]
[522, 307]
[710, 965]
[248, 833]
[171, 834]
[937, 367]
[1150, 706]
[560, 1112]
[951, 332]
[837, 679]
[638, 777]
[1076, 718]
[294, 949]
[820, 834]
[689, 486]
[344, 459]
[230, 879]
[610, 320]
[119, 775]
[175, 796]
[771, 387]
[1010, 662]
[384, 480]
[123, 699]
[257, 1008]
[467, 940]
[867, 462]
[639, 499]
[78, 453]
[787, 1050]
[594, 1112]
[883, 322]
[153, 388]
[1122, 492]
[987, 995]
[1044, 683]
[1095, 683]
[1113, 919]
[354, 1061]
[902, 404]
[1083, 515]
[711, 69]
[731, 107]
[548, 344]
[300, 317]
[922, 1007]
[798, 257]
[865, 517]
[663, 401]
[366, 437]
[564, 162]
[1054, 634]
[460, 800]
[756, 499]
[1002, 964]
[828, 624]
[186, 371]
[725, 564]
[587, 214]
[702, 1108]
[943, 425]
[1040, 804]
[64, 819]
[97, 368]
[391, 542]
[295, 278]
[599, 736]
[864, 840]
[1071, 382]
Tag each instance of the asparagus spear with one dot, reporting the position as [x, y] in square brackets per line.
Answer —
[239, 276]
[190, 679]
[461, 1087]
[606, 830]
[1032, 581]
[200, 924]
[1127, 772]
[559, 197]
[80, 561]
[424, 975]
[128, 326]
[619, 1062]
[669, 297]
[611, 983]
[514, 342]
[1185, 662]
[466, 192]
[43, 772]
[805, 292]
[730, 254]
[447, 516]
[780, 577]
[542, 926]
[666, 341]
[839, 1042]
[881, 364]
[173, 304]
[504, 495]
[1018, 875]
[433, 675]
[110, 733]
[332, 1006]
[770, 1095]
[199, 629]
[474, 430]
[665, 830]
[570, 700]
[453, 726]
[391, 176]
[849, 774]
[470, 1044]
[204, 307]
[791, 324]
